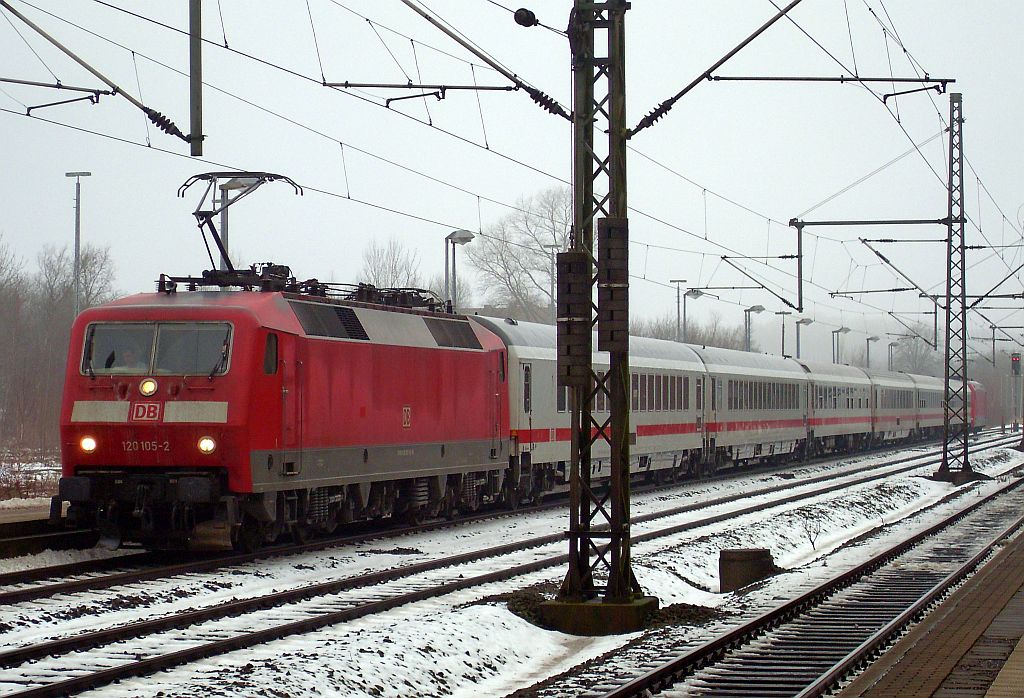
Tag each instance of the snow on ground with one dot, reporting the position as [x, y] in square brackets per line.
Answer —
[30, 622]
[51, 558]
[453, 647]
[25, 503]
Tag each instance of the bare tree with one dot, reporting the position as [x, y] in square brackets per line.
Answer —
[390, 266]
[812, 529]
[914, 355]
[514, 256]
[36, 313]
[96, 270]
[713, 332]
[435, 285]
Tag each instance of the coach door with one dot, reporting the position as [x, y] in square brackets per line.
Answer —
[291, 404]
[526, 371]
[495, 379]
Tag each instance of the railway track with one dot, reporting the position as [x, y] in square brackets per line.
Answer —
[56, 667]
[96, 575]
[28, 537]
[34, 536]
[806, 646]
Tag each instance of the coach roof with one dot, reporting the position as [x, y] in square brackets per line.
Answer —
[535, 340]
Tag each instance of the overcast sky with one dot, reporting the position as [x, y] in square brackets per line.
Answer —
[732, 162]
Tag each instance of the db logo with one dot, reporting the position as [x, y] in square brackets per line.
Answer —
[145, 412]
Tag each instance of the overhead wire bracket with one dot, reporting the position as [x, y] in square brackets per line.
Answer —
[545, 101]
[92, 99]
[758, 281]
[161, 121]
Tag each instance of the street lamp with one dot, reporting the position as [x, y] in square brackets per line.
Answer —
[746, 323]
[78, 236]
[867, 350]
[783, 313]
[801, 321]
[456, 237]
[836, 349]
[694, 293]
[899, 338]
[677, 282]
[239, 184]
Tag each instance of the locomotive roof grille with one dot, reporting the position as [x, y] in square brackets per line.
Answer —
[452, 333]
[328, 321]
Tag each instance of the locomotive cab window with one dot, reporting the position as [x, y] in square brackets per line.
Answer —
[182, 348]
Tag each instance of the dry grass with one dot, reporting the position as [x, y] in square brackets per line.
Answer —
[24, 475]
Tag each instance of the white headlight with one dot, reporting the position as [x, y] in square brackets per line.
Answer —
[88, 444]
[207, 444]
[147, 387]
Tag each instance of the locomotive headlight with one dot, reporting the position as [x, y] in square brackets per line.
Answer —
[88, 444]
[207, 444]
[147, 387]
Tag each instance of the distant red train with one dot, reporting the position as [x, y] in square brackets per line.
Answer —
[231, 417]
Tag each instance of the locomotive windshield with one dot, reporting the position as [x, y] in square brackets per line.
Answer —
[160, 348]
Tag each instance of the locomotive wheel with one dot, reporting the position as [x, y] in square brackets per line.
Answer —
[415, 515]
[448, 509]
[300, 533]
[250, 535]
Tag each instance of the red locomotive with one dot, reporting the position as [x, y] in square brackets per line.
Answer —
[242, 414]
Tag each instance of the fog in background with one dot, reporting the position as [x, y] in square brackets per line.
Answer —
[722, 173]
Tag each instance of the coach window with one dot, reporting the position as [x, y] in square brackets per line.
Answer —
[562, 391]
[635, 390]
[270, 355]
[659, 403]
[527, 387]
[686, 392]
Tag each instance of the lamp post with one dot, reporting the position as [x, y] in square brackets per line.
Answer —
[867, 350]
[677, 282]
[746, 323]
[551, 253]
[801, 321]
[451, 290]
[692, 293]
[896, 343]
[239, 184]
[78, 236]
[836, 348]
[783, 313]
